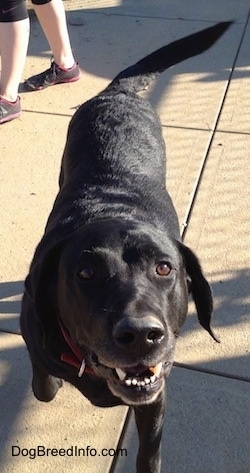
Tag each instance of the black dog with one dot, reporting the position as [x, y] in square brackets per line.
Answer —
[108, 287]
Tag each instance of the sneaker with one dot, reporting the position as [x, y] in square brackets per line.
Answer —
[9, 110]
[53, 75]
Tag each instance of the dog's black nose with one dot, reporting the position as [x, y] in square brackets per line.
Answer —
[135, 334]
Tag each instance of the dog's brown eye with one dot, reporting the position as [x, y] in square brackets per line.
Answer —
[163, 268]
[87, 273]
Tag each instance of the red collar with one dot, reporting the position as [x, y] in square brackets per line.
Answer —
[75, 358]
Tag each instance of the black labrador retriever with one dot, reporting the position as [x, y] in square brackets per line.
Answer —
[108, 287]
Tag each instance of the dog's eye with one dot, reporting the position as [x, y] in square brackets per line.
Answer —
[87, 273]
[163, 268]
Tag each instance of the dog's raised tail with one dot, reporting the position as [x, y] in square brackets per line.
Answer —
[138, 77]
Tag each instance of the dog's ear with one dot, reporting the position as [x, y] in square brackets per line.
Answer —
[41, 287]
[199, 288]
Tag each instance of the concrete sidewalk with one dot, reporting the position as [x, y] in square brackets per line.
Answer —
[204, 105]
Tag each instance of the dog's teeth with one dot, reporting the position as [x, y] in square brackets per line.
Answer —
[137, 380]
[152, 379]
[140, 382]
[120, 373]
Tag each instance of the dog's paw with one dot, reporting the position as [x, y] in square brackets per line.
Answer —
[45, 390]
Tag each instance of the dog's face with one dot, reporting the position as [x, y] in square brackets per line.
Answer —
[122, 295]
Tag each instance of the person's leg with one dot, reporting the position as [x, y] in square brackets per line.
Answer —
[14, 38]
[52, 17]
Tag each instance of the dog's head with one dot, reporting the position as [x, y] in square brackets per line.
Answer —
[121, 290]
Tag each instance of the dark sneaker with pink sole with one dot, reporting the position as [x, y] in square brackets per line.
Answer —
[9, 110]
[52, 76]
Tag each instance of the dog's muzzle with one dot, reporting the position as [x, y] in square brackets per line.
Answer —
[136, 384]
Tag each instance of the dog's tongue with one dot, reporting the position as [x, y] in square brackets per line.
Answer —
[138, 369]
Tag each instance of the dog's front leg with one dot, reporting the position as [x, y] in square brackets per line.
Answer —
[149, 420]
[44, 385]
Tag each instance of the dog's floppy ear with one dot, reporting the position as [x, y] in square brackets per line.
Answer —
[199, 288]
[41, 287]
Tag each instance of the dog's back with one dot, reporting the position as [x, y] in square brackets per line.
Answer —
[93, 132]
[115, 146]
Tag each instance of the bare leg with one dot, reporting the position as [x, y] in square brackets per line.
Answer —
[52, 18]
[14, 38]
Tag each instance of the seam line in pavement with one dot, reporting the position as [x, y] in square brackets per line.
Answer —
[208, 130]
[222, 374]
[175, 364]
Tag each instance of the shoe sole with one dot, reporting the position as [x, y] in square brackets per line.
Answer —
[32, 87]
[10, 117]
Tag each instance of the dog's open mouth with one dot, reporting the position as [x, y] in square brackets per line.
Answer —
[139, 376]
[136, 384]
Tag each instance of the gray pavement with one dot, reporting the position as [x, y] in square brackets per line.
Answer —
[204, 106]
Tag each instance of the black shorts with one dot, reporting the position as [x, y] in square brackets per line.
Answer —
[16, 10]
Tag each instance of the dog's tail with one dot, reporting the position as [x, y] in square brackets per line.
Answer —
[138, 77]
